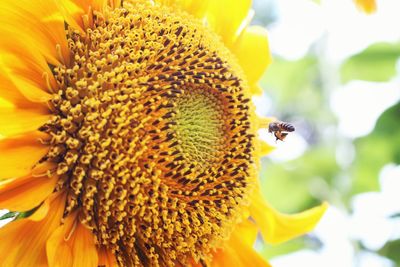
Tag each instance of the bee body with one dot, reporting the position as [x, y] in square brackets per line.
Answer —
[280, 129]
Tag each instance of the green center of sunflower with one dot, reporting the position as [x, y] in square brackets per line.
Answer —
[152, 135]
[200, 126]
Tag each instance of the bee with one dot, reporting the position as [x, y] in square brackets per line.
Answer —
[280, 129]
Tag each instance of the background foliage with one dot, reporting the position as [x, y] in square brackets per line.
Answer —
[321, 90]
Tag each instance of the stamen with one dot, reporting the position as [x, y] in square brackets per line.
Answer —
[46, 77]
[60, 54]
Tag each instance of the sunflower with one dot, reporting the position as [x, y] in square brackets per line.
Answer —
[368, 6]
[129, 135]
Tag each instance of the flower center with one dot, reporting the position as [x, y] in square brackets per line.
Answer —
[152, 135]
[200, 126]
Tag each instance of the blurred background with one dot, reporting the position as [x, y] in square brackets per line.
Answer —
[336, 77]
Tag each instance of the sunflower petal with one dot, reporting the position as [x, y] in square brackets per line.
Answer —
[17, 121]
[30, 90]
[276, 227]
[252, 51]
[58, 249]
[265, 148]
[106, 258]
[263, 122]
[115, 3]
[43, 210]
[74, 11]
[5, 103]
[20, 153]
[72, 240]
[26, 193]
[58, 252]
[11, 94]
[25, 61]
[23, 242]
[368, 6]
[27, 72]
[45, 31]
[84, 249]
[225, 17]
[256, 89]
[238, 251]
[247, 231]
[79, 8]
[98, 5]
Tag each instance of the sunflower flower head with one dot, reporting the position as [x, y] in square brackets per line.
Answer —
[145, 114]
[132, 136]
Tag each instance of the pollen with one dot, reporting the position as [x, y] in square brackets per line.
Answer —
[152, 135]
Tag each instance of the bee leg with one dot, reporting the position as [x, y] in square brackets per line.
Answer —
[276, 136]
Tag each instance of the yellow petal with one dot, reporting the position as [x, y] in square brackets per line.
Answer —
[5, 103]
[98, 5]
[41, 213]
[115, 3]
[25, 61]
[238, 251]
[256, 89]
[265, 148]
[368, 6]
[26, 193]
[226, 17]
[106, 258]
[59, 253]
[45, 31]
[195, 7]
[58, 249]
[23, 242]
[252, 51]
[84, 249]
[88, 6]
[27, 72]
[10, 93]
[276, 227]
[78, 13]
[264, 122]
[72, 240]
[72, 13]
[247, 231]
[20, 153]
[17, 121]
[30, 90]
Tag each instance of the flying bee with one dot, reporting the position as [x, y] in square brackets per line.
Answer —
[280, 129]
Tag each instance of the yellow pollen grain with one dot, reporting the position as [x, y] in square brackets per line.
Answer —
[152, 136]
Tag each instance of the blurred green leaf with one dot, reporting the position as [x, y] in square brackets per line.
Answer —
[292, 83]
[391, 251]
[270, 251]
[299, 91]
[299, 243]
[377, 149]
[376, 63]
[287, 185]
